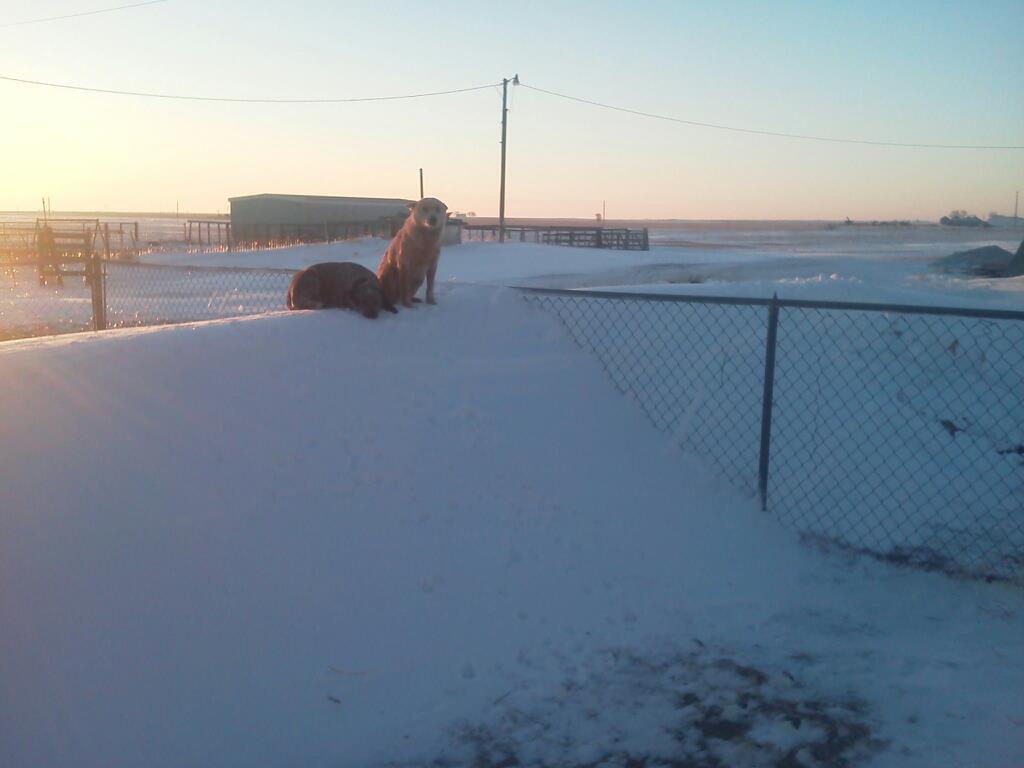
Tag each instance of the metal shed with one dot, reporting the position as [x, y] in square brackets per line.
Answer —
[296, 218]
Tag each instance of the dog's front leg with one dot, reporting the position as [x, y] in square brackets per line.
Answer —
[403, 289]
[430, 279]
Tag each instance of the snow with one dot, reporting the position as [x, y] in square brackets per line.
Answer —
[442, 538]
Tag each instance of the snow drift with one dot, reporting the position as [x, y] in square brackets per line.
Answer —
[442, 537]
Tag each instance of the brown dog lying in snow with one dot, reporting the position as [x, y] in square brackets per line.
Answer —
[413, 253]
[337, 284]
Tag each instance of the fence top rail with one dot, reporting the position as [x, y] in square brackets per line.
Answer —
[548, 228]
[67, 221]
[909, 309]
[190, 268]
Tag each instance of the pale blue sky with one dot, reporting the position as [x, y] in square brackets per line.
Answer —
[908, 72]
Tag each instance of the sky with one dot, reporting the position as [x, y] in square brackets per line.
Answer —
[912, 72]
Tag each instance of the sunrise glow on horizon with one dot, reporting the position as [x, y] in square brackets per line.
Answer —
[916, 74]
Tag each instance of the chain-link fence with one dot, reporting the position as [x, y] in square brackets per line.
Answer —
[132, 294]
[30, 306]
[149, 294]
[897, 431]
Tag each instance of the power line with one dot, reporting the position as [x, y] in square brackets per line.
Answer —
[777, 134]
[83, 13]
[651, 115]
[242, 100]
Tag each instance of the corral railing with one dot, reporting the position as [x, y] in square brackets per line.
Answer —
[574, 237]
[19, 239]
[891, 430]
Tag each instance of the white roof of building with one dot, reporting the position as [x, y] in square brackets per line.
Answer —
[320, 198]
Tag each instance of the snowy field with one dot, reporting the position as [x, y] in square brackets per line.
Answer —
[839, 263]
[444, 538]
[857, 264]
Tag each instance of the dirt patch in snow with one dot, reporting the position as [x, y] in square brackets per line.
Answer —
[692, 709]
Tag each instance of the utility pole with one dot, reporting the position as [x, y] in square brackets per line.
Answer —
[504, 131]
[421, 183]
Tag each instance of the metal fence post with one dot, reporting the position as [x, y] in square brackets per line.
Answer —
[766, 400]
[96, 268]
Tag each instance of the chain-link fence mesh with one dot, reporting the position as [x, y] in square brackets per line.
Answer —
[135, 294]
[694, 368]
[902, 434]
[28, 307]
[894, 433]
[147, 294]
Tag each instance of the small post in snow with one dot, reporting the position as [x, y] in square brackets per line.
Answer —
[766, 401]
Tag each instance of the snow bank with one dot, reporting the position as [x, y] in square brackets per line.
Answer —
[312, 539]
[989, 261]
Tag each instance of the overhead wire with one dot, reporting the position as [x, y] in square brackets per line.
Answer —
[80, 14]
[557, 94]
[758, 132]
[241, 100]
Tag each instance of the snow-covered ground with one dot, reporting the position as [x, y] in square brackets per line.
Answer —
[444, 538]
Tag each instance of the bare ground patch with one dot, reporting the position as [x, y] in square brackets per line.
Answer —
[690, 709]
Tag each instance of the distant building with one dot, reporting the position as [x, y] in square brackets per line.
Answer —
[270, 218]
[305, 218]
[995, 220]
[961, 219]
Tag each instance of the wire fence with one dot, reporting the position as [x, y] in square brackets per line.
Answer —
[30, 308]
[149, 294]
[894, 431]
[133, 294]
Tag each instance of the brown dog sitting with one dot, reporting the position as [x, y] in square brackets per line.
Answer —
[338, 284]
[413, 253]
